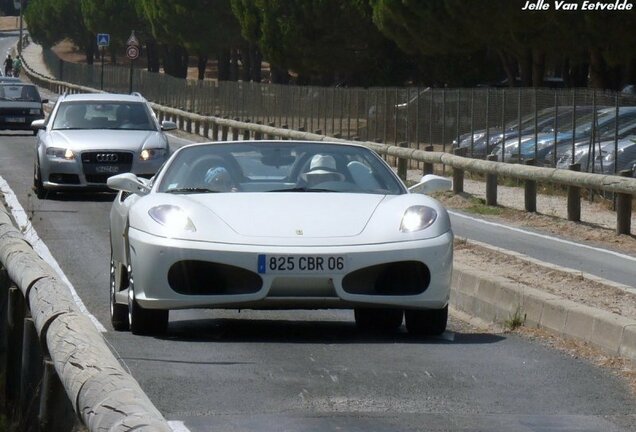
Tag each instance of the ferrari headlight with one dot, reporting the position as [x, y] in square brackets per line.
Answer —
[417, 218]
[60, 153]
[172, 217]
[152, 153]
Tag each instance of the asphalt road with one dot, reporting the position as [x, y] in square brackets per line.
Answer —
[312, 370]
[604, 263]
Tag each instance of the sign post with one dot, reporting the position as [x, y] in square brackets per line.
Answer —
[132, 52]
[103, 40]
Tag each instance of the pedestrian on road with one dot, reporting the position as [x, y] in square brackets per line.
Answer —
[8, 65]
[17, 67]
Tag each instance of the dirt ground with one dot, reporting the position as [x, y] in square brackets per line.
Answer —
[9, 23]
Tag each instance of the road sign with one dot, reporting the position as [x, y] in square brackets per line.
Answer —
[132, 40]
[132, 52]
[103, 39]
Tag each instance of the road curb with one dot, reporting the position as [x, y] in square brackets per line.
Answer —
[496, 299]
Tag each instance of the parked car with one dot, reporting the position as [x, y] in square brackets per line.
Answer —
[545, 122]
[583, 148]
[608, 161]
[603, 122]
[90, 137]
[604, 156]
[20, 105]
[279, 225]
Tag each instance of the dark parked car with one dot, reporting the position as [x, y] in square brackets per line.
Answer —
[603, 125]
[545, 122]
[20, 104]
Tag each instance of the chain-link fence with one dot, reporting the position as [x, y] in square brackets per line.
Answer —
[554, 127]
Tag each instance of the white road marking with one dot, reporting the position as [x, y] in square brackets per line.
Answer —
[547, 237]
[178, 426]
[25, 226]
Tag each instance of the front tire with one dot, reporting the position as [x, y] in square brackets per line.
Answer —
[118, 312]
[144, 321]
[429, 322]
[38, 187]
[379, 320]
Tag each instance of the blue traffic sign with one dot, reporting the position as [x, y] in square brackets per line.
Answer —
[103, 39]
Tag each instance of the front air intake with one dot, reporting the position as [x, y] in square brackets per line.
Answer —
[208, 278]
[398, 278]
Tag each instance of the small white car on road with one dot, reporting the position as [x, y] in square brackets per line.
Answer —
[90, 137]
[279, 225]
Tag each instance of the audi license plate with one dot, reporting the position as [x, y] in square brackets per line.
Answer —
[301, 264]
[15, 120]
[107, 169]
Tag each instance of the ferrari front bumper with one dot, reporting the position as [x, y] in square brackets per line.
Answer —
[154, 259]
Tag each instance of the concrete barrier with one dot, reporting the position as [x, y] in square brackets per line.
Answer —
[495, 299]
[44, 327]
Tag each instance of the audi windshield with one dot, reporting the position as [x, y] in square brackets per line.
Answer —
[103, 115]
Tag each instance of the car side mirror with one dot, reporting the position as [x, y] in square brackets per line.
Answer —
[167, 125]
[128, 182]
[38, 124]
[431, 183]
[45, 101]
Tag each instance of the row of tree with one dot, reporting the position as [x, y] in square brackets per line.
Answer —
[356, 42]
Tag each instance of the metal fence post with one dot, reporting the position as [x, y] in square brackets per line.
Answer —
[491, 184]
[624, 209]
[530, 191]
[574, 197]
[458, 173]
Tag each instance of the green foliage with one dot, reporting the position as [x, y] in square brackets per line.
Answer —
[321, 40]
[515, 320]
[116, 17]
[51, 21]
[203, 27]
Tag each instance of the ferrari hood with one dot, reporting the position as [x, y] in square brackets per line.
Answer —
[91, 139]
[281, 214]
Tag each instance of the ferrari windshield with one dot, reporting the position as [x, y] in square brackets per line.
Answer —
[103, 115]
[278, 166]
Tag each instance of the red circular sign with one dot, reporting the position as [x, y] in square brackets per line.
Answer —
[132, 52]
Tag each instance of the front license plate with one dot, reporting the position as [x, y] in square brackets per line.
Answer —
[15, 119]
[301, 264]
[107, 169]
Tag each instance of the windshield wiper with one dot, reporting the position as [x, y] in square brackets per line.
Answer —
[191, 190]
[303, 189]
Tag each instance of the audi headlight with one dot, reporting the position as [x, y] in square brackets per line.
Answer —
[152, 153]
[172, 217]
[35, 111]
[60, 153]
[417, 218]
